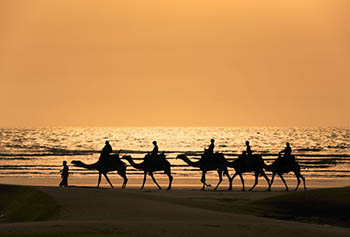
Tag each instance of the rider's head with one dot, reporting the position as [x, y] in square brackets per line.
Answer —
[287, 144]
[64, 162]
[212, 140]
[247, 143]
[107, 142]
[154, 142]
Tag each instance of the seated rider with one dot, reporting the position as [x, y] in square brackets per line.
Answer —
[248, 150]
[287, 151]
[211, 147]
[209, 153]
[106, 149]
[154, 152]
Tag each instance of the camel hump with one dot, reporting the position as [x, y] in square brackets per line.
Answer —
[115, 156]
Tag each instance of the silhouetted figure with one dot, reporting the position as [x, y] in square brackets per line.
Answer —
[64, 175]
[152, 165]
[248, 150]
[211, 147]
[113, 163]
[154, 152]
[107, 149]
[209, 153]
[287, 151]
[105, 153]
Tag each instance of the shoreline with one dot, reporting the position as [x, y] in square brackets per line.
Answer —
[136, 181]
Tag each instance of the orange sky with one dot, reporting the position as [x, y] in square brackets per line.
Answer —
[174, 63]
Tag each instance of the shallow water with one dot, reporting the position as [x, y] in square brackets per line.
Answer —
[322, 152]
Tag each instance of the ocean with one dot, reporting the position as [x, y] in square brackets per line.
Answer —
[39, 152]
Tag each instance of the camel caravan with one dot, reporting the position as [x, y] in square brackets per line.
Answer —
[209, 161]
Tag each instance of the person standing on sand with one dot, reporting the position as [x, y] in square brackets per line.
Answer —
[64, 175]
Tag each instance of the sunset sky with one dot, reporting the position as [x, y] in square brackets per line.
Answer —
[175, 63]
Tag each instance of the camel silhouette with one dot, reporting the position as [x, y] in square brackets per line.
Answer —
[282, 166]
[253, 163]
[103, 167]
[218, 162]
[150, 165]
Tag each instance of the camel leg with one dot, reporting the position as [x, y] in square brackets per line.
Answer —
[242, 180]
[125, 180]
[170, 179]
[99, 179]
[298, 175]
[256, 181]
[233, 176]
[273, 177]
[220, 179]
[302, 177]
[298, 179]
[203, 180]
[104, 174]
[229, 180]
[267, 180]
[144, 180]
[154, 180]
[122, 173]
[283, 181]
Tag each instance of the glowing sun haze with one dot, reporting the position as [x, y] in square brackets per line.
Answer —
[174, 63]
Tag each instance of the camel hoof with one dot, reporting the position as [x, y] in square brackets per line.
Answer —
[269, 189]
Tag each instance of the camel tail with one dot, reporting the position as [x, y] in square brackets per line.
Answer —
[263, 164]
[123, 169]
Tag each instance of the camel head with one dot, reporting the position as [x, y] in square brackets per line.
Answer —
[128, 157]
[181, 156]
[76, 162]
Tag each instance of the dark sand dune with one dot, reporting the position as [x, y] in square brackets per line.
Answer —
[179, 212]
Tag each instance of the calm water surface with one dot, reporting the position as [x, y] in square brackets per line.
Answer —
[322, 152]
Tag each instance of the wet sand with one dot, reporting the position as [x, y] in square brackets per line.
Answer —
[135, 181]
[183, 211]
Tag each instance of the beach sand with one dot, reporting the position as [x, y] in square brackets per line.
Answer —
[183, 211]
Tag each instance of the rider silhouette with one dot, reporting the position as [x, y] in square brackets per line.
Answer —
[211, 147]
[248, 150]
[105, 152]
[154, 152]
[107, 149]
[287, 151]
